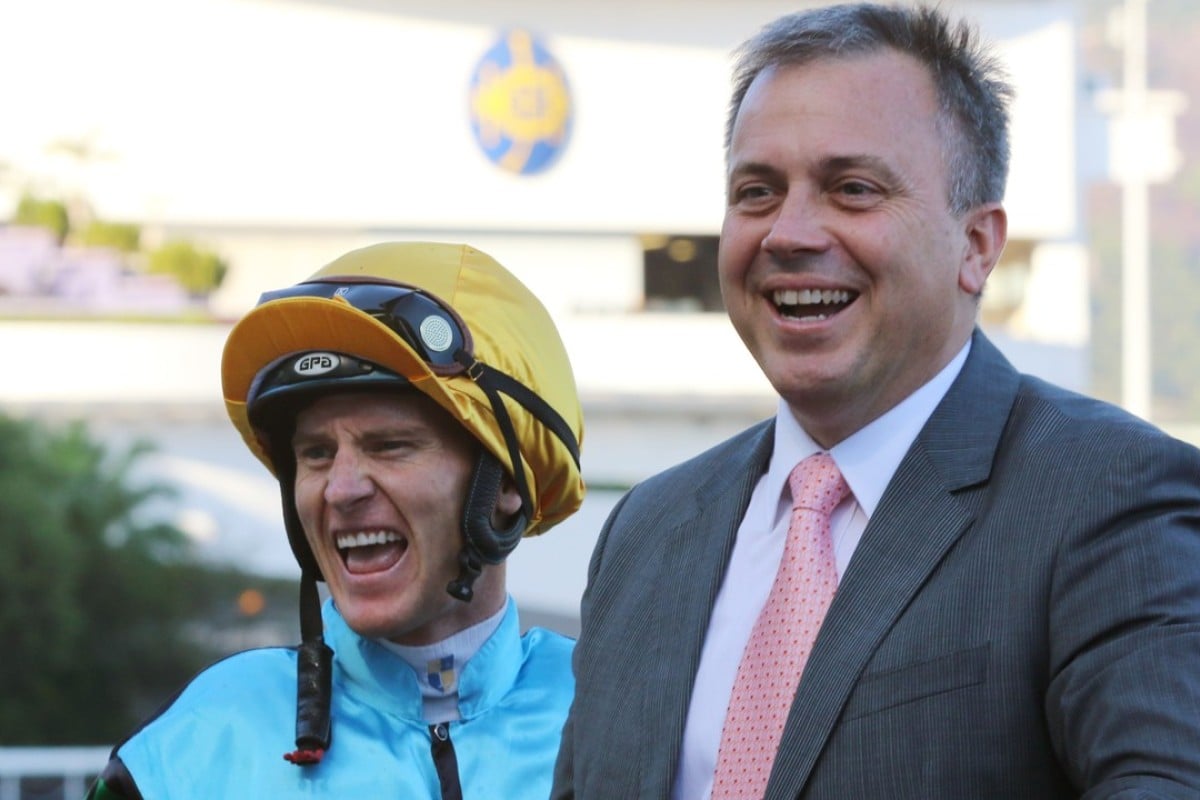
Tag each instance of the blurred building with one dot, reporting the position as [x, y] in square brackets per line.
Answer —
[579, 143]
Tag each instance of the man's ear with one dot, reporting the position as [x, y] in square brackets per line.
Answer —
[986, 233]
[508, 503]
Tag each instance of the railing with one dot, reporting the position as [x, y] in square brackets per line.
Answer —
[49, 773]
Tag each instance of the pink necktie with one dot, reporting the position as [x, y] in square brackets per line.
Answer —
[783, 635]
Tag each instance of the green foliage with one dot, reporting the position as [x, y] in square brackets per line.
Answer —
[198, 270]
[118, 235]
[51, 214]
[99, 605]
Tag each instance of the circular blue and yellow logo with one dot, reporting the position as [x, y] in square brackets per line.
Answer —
[520, 104]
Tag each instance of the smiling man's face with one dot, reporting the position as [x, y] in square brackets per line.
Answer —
[381, 481]
[842, 267]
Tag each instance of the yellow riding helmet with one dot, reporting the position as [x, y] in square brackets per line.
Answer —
[471, 336]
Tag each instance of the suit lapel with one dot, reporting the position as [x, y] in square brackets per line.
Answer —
[693, 554]
[919, 517]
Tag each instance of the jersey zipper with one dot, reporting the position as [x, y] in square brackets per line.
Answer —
[445, 761]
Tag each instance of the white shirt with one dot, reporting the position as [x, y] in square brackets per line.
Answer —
[867, 460]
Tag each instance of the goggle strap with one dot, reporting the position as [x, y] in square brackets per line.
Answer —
[510, 439]
[490, 379]
[311, 628]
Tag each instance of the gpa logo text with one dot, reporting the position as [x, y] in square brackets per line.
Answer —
[316, 364]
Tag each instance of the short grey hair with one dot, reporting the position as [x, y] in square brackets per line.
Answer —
[973, 91]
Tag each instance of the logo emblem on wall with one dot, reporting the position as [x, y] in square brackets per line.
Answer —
[520, 104]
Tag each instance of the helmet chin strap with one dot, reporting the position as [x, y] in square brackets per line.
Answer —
[463, 587]
[314, 679]
[483, 542]
[314, 659]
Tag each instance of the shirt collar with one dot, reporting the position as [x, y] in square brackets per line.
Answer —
[868, 458]
[438, 665]
[368, 669]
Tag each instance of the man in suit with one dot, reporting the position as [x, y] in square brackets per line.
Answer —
[1016, 611]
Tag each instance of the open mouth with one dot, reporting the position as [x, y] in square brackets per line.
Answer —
[811, 305]
[365, 552]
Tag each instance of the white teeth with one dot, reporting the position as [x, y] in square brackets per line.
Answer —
[804, 297]
[366, 539]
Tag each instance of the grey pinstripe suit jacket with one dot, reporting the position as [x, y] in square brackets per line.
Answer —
[1021, 618]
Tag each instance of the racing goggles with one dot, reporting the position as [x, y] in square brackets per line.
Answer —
[431, 328]
[440, 337]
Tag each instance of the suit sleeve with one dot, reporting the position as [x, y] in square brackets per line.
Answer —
[564, 777]
[1123, 705]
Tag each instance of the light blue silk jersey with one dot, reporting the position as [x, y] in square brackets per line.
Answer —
[226, 733]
